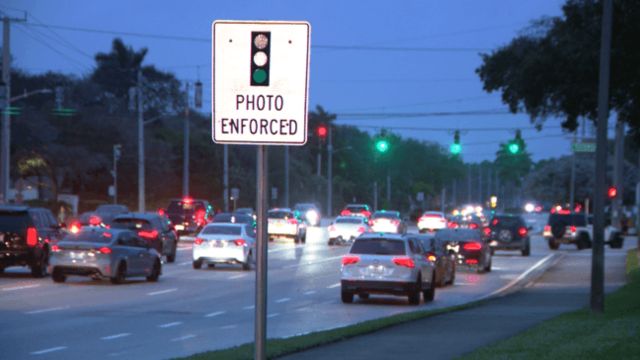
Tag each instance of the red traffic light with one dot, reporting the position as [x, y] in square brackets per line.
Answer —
[322, 131]
[612, 192]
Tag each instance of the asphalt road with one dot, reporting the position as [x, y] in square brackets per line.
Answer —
[190, 311]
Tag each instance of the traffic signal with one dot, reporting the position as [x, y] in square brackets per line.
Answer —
[382, 146]
[612, 192]
[516, 145]
[456, 148]
[322, 131]
[260, 52]
[198, 94]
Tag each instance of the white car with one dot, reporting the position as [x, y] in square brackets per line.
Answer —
[347, 228]
[431, 221]
[224, 243]
[282, 223]
[385, 221]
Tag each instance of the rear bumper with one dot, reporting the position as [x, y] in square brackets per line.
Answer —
[378, 287]
[13, 258]
[562, 240]
[82, 270]
[511, 245]
[212, 256]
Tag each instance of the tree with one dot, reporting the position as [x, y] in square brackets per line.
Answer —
[551, 69]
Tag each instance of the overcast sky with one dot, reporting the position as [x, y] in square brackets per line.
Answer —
[342, 81]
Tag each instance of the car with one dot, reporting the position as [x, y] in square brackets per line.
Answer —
[102, 216]
[435, 250]
[469, 246]
[356, 210]
[508, 232]
[153, 228]
[188, 216]
[473, 222]
[309, 212]
[224, 243]
[388, 222]
[234, 218]
[100, 253]
[26, 234]
[387, 264]
[431, 221]
[565, 227]
[245, 211]
[282, 223]
[345, 229]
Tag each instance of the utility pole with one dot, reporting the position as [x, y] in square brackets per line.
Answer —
[286, 176]
[319, 165]
[480, 197]
[572, 190]
[597, 258]
[388, 189]
[185, 165]
[443, 197]
[329, 171]
[116, 156]
[375, 196]
[454, 192]
[225, 176]
[618, 174]
[489, 178]
[468, 184]
[141, 207]
[261, 252]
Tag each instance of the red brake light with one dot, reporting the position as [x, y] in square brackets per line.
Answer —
[361, 229]
[161, 212]
[452, 225]
[75, 228]
[198, 241]
[240, 242]
[105, 250]
[494, 222]
[292, 221]
[487, 231]
[94, 220]
[187, 200]
[404, 261]
[332, 228]
[573, 228]
[564, 212]
[32, 236]
[350, 259]
[471, 261]
[522, 231]
[473, 226]
[345, 212]
[431, 257]
[547, 228]
[55, 248]
[472, 246]
[148, 234]
[366, 213]
[395, 222]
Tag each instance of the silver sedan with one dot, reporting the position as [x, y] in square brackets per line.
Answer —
[345, 229]
[104, 253]
[225, 243]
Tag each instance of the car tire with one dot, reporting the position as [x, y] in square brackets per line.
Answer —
[330, 243]
[197, 264]
[553, 244]
[527, 249]
[414, 294]
[58, 277]
[430, 294]
[39, 269]
[616, 242]
[172, 257]
[155, 273]
[246, 266]
[346, 297]
[487, 268]
[304, 238]
[211, 266]
[453, 276]
[121, 273]
[363, 296]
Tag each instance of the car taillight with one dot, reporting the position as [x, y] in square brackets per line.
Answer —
[350, 259]
[471, 261]
[547, 228]
[198, 241]
[95, 220]
[404, 261]
[431, 257]
[371, 222]
[240, 242]
[494, 222]
[487, 231]
[366, 213]
[332, 228]
[361, 229]
[452, 225]
[161, 212]
[472, 246]
[473, 226]
[293, 221]
[395, 222]
[522, 231]
[572, 228]
[345, 212]
[75, 228]
[55, 248]
[105, 250]
[32, 236]
[148, 234]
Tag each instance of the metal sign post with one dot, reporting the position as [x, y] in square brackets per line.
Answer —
[260, 91]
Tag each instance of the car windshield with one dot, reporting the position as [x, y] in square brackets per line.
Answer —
[568, 219]
[433, 214]
[222, 230]
[111, 209]
[13, 221]
[103, 237]
[349, 220]
[505, 221]
[386, 215]
[280, 215]
[378, 247]
[132, 224]
[233, 218]
[356, 208]
[184, 206]
[458, 235]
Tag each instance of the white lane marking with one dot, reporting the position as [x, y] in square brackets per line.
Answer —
[185, 263]
[171, 324]
[237, 276]
[21, 287]
[250, 307]
[183, 338]
[213, 314]
[46, 310]
[115, 336]
[283, 300]
[273, 315]
[183, 249]
[161, 292]
[462, 283]
[519, 278]
[312, 262]
[226, 327]
[46, 351]
[333, 286]
[310, 292]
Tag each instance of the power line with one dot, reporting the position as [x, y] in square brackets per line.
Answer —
[386, 115]
[35, 37]
[435, 129]
[457, 100]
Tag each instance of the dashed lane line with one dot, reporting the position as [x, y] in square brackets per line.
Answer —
[239, 276]
[21, 287]
[333, 286]
[250, 307]
[227, 327]
[214, 314]
[171, 324]
[49, 350]
[283, 300]
[273, 315]
[310, 292]
[115, 336]
[33, 312]
[183, 338]
[312, 262]
[162, 292]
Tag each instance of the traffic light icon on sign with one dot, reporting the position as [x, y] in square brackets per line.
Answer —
[260, 57]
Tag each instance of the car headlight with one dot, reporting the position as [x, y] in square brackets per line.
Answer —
[312, 216]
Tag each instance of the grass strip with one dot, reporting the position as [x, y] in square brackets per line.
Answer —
[581, 334]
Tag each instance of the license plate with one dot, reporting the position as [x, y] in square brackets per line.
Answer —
[179, 227]
[77, 255]
[217, 244]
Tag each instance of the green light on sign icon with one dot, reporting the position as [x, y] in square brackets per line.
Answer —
[259, 76]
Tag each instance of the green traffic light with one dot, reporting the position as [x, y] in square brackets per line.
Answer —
[382, 146]
[455, 148]
[514, 148]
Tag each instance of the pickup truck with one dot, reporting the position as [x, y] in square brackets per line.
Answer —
[567, 228]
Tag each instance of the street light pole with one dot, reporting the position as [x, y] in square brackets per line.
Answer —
[225, 176]
[185, 165]
[5, 156]
[329, 172]
[286, 176]
[141, 202]
[116, 156]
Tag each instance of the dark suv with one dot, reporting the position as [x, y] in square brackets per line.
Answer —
[153, 228]
[188, 216]
[25, 236]
[508, 232]
[561, 228]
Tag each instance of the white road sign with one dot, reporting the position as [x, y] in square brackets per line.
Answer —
[260, 82]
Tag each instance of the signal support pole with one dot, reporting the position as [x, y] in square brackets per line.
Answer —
[185, 165]
[286, 176]
[140, 145]
[329, 172]
[597, 259]
[225, 176]
[261, 259]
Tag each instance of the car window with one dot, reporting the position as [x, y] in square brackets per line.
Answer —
[101, 237]
[385, 215]
[221, 230]
[250, 230]
[350, 220]
[378, 246]
[568, 219]
[356, 208]
[505, 221]
[13, 221]
[280, 215]
[132, 224]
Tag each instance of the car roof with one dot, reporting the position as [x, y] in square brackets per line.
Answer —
[137, 215]
[381, 236]
[280, 209]
[14, 208]
[112, 231]
[225, 224]
[356, 205]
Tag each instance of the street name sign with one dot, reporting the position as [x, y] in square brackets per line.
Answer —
[260, 82]
[584, 147]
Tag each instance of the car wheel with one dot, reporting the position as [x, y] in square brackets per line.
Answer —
[120, 275]
[58, 276]
[363, 296]
[527, 249]
[247, 264]
[582, 242]
[155, 273]
[304, 238]
[39, 269]
[487, 268]
[616, 242]
[553, 244]
[296, 239]
[172, 257]
[414, 294]
[431, 293]
[347, 297]
[453, 276]
[330, 243]
[211, 266]
[197, 264]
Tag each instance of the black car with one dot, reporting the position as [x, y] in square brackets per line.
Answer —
[153, 228]
[436, 251]
[189, 216]
[469, 246]
[234, 218]
[509, 232]
[26, 235]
